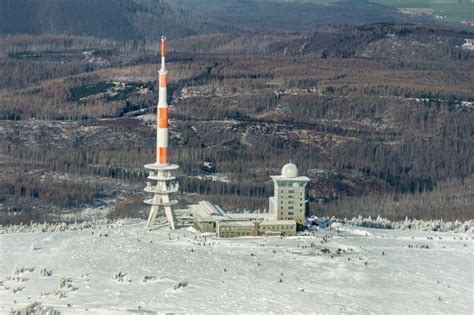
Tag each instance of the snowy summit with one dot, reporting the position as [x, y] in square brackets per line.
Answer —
[122, 267]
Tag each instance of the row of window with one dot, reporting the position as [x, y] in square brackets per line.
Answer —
[290, 192]
[291, 212]
[224, 234]
[291, 184]
[231, 228]
[292, 195]
[291, 202]
[291, 207]
[284, 227]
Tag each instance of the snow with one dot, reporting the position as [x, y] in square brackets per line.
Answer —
[214, 178]
[412, 224]
[134, 270]
[468, 44]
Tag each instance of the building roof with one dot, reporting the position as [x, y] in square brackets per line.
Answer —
[278, 222]
[289, 170]
[254, 215]
[293, 179]
[205, 211]
[236, 223]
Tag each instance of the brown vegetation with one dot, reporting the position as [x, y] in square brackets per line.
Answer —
[391, 128]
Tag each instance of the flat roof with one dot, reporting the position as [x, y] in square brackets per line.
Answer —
[254, 215]
[290, 179]
[236, 223]
[278, 222]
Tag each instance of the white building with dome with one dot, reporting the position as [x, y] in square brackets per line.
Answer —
[289, 200]
[286, 209]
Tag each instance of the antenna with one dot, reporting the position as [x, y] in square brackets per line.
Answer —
[160, 171]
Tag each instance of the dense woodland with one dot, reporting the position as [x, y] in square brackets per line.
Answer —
[147, 20]
[138, 20]
[379, 117]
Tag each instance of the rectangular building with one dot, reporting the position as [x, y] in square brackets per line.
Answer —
[206, 215]
[289, 201]
[236, 228]
[277, 227]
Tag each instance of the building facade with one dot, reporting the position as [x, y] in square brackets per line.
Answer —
[236, 228]
[289, 200]
[206, 216]
[286, 209]
[277, 228]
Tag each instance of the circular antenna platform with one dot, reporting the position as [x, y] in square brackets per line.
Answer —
[160, 167]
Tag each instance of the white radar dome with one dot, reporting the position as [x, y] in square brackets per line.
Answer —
[289, 170]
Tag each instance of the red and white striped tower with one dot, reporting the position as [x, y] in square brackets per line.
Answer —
[161, 203]
[162, 112]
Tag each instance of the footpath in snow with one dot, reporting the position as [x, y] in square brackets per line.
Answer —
[122, 267]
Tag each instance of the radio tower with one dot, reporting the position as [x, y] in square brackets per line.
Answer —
[160, 172]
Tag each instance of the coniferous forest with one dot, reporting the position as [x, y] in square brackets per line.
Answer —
[379, 114]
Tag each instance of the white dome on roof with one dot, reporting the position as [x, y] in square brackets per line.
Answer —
[289, 170]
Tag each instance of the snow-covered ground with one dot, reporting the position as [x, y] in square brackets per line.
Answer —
[127, 269]
[469, 44]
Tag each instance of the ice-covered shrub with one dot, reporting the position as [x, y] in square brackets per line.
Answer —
[120, 277]
[414, 224]
[57, 227]
[181, 284]
[65, 286]
[379, 223]
[45, 273]
[145, 279]
[35, 309]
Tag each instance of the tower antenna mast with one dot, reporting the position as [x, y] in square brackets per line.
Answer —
[160, 172]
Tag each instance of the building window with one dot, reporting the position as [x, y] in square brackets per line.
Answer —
[291, 191]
